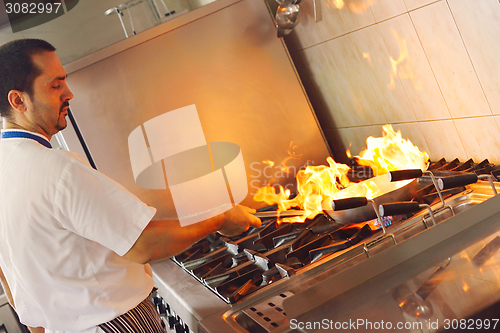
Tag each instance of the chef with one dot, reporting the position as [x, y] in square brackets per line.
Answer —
[74, 244]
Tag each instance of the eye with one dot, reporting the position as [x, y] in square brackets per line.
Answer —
[56, 86]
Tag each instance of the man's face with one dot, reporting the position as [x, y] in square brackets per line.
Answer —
[49, 102]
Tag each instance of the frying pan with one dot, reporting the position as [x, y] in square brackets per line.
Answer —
[395, 186]
[346, 208]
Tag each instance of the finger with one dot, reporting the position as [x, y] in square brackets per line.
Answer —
[248, 209]
[255, 222]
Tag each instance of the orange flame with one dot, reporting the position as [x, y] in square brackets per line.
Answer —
[268, 162]
[318, 185]
[391, 152]
[292, 154]
[359, 6]
[268, 195]
[354, 6]
[465, 286]
[401, 66]
[368, 58]
[339, 4]
[285, 168]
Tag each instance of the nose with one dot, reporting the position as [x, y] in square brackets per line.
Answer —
[68, 95]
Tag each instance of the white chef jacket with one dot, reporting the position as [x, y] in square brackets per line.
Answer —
[64, 228]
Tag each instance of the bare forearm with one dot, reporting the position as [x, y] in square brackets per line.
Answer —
[163, 239]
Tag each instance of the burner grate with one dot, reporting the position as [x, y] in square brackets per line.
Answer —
[235, 267]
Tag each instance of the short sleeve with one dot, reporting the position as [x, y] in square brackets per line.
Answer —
[94, 206]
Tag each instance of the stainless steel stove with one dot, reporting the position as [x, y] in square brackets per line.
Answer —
[424, 271]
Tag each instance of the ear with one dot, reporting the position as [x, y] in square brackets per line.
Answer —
[17, 100]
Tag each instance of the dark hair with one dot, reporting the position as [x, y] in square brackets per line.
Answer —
[17, 70]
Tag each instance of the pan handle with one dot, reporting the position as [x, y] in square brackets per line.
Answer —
[404, 207]
[398, 208]
[348, 203]
[274, 213]
[456, 181]
[404, 174]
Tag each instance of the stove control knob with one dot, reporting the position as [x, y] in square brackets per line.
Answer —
[172, 321]
[162, 310]
[167, 307]
[179, 328]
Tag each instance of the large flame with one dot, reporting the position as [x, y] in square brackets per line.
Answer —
[319, 184]
[392, 152]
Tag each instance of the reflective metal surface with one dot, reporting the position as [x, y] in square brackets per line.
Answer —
[228, 63]
[399, 282]
[287, 15]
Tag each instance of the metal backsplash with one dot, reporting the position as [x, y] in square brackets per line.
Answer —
[231, 65]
